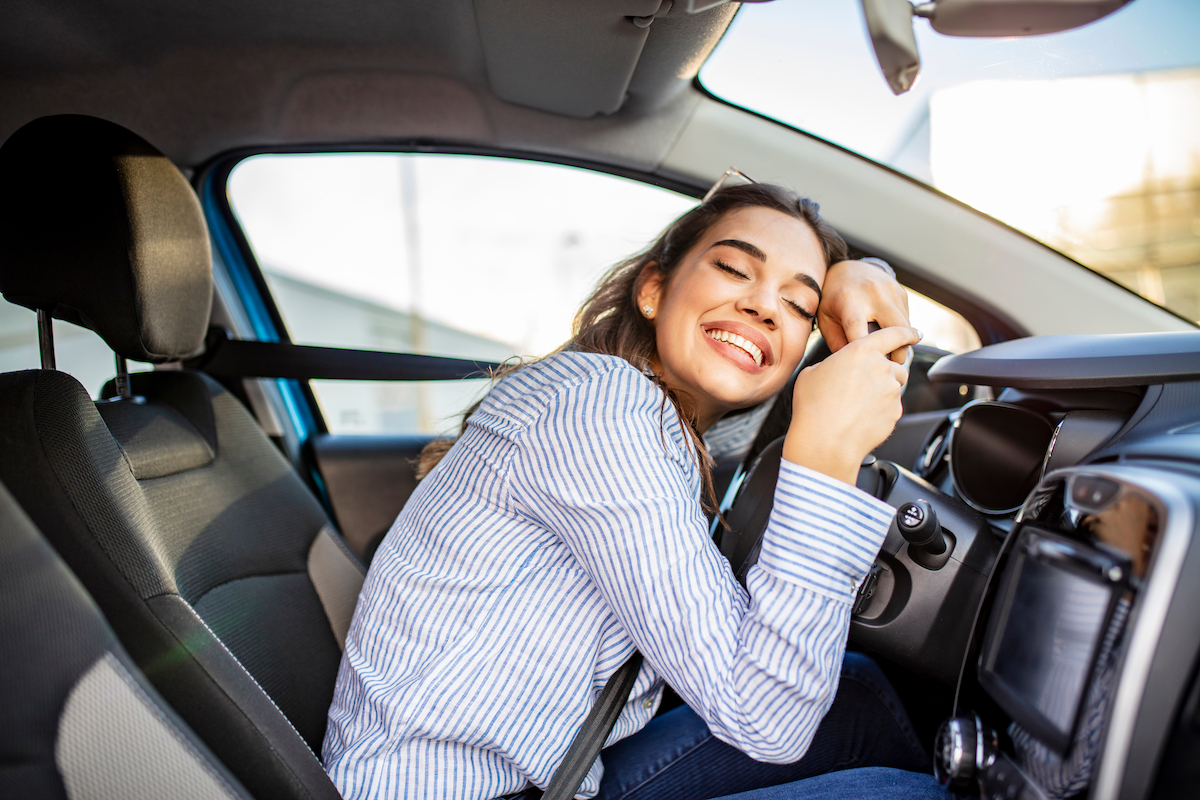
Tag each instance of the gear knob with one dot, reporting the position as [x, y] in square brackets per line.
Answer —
[927, 544]
[918, 523]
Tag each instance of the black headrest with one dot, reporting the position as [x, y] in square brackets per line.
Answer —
[100, 229]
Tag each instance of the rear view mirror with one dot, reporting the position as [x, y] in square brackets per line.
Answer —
[889, 23]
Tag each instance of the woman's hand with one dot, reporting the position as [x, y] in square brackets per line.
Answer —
[844, 407]
[856, 293]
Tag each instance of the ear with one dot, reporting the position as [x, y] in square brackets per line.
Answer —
[650, 288]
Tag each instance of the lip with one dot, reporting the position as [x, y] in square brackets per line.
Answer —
[746, 332]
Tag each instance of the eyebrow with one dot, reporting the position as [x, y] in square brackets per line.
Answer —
[745, 247]
[808, 281]
[755, 252]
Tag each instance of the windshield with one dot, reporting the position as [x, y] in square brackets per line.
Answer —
[1088, 140]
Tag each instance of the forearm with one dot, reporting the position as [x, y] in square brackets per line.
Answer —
[822, 538]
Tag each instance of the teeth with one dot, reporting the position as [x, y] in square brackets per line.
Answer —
[738, 341]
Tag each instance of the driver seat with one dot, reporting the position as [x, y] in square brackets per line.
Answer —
[212, 561]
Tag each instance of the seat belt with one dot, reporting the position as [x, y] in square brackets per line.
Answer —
[586, 745]
[242, 358]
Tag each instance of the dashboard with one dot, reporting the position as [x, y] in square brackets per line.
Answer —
[1038, 544]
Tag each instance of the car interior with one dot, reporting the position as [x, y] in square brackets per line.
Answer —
[181, 549]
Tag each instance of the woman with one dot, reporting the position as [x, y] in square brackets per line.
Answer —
[566, 529]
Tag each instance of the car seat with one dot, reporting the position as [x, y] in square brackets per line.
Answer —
[213, 562]
[80, 720]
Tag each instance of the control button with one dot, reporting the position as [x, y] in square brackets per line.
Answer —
[954, 755]
[862, 600]
[964, 750]
[1092, 493]
[911, 515]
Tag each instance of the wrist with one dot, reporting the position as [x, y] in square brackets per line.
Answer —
[806, 449]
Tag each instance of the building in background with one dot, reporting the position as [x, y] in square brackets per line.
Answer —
[325, 315]
[1105, 168]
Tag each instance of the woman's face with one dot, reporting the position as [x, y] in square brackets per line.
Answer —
[733, 321]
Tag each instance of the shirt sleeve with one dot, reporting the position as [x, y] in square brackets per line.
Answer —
[608, 468]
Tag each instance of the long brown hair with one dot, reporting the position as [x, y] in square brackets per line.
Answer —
[610, 323]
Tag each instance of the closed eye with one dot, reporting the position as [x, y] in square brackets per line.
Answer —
[721, 265]
[800, 310]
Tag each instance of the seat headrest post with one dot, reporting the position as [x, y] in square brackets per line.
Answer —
[123, 390]
[46, 338]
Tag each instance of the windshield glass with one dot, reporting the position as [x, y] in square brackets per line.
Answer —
[1088, 140]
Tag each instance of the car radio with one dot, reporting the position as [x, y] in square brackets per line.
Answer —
[1057, 598]
[1073, 625]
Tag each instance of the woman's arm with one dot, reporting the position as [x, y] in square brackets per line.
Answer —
[607, 467]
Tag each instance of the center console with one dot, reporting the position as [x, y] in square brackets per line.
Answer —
[1085, 640]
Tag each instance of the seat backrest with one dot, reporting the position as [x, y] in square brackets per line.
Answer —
[80, 720]
[215, 565]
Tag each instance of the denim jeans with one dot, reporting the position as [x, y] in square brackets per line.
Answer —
[676, 756]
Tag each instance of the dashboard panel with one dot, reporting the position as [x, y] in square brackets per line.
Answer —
[1066, 501]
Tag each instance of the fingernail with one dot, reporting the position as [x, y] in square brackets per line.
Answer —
[920, 335]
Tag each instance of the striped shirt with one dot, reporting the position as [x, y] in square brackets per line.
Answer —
[563, 531]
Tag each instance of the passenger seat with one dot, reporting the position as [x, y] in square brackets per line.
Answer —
[215, 565]
[80, 721]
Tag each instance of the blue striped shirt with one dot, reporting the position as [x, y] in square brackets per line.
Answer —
[563, 531]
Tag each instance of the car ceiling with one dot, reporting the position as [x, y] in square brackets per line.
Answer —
[198, 79]
[567, 79]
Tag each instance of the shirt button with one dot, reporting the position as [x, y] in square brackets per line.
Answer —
[648, 703]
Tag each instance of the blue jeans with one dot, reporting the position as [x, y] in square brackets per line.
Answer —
[676, 756]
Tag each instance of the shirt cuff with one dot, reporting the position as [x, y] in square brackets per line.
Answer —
[823, 533]
[879, 262]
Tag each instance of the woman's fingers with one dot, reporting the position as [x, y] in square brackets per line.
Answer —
[849, 403]
[888, 340]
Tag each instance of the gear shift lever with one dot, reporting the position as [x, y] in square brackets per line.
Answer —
[927, 543]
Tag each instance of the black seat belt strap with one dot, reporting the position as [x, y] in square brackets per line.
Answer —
[591, 737]
[238, 358]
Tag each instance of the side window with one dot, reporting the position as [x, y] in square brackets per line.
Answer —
[943, 327]
[463, 256]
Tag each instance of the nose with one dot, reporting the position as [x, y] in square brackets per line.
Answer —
[760, 304]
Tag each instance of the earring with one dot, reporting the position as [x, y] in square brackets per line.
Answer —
[648, 311]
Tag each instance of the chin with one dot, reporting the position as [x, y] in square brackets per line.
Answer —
[734, 398]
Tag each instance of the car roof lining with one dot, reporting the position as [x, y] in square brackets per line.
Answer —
[198, 80]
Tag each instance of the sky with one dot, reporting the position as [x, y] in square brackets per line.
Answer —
[810, 63]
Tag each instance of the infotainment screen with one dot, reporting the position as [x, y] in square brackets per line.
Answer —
[1046, 628]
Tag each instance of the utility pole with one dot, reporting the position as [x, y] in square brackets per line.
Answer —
[412, 247]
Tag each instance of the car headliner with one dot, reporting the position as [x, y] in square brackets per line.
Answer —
[197, 79]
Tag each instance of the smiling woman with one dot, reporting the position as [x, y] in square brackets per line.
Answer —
[564, 531]
[735, 317]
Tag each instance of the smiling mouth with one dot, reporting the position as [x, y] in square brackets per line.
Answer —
[741, 342]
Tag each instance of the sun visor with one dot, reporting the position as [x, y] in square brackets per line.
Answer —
[574, 59]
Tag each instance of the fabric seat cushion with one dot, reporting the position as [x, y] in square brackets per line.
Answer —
[203, 572]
